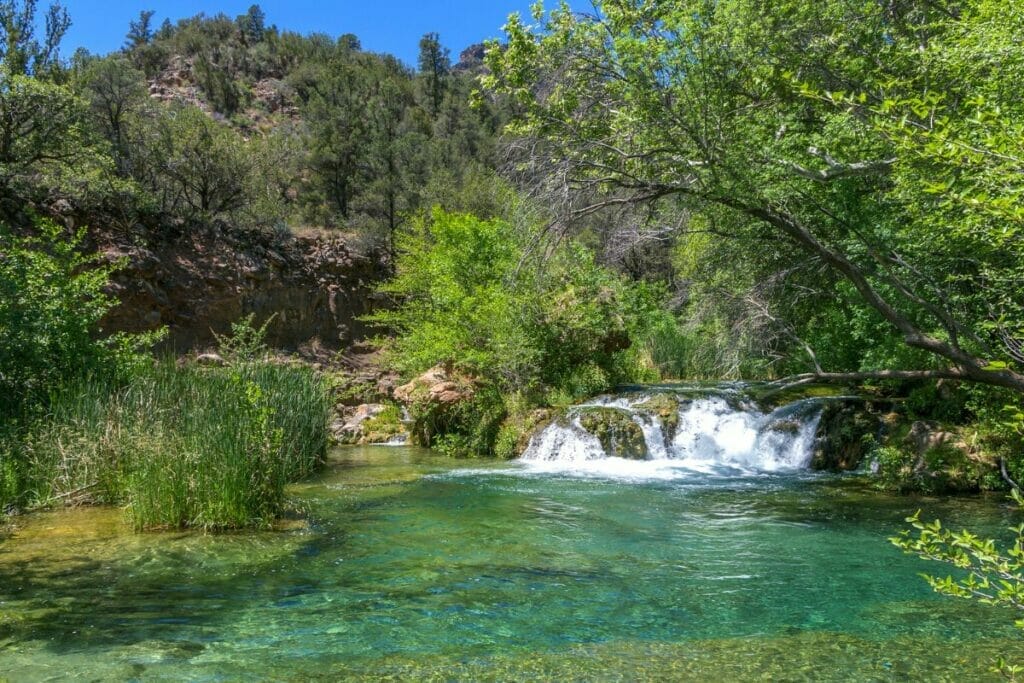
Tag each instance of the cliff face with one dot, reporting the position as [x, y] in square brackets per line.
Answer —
[199, 283]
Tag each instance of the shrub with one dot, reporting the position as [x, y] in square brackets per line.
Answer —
[473, 295]
[51, 304]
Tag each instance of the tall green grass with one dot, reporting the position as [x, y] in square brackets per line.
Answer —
[182, 446]
[10, 450]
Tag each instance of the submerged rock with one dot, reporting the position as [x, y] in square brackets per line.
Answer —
[619, 435]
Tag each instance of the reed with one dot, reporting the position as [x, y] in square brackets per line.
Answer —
[183, 446]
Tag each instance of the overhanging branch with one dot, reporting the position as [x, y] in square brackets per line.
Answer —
[834, 170]
[794, 381]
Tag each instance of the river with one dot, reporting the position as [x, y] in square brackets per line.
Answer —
[398, 563]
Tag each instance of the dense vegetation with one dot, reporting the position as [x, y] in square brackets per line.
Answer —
[94, 419]
[180, 447]
[529, 330]
[220, 119]
[213, 124]
[796, 191]
[846, 180]
[840, 180]
[813, 191]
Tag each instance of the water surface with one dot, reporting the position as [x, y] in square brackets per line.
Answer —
[403, 565]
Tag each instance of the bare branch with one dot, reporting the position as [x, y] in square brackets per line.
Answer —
[794, 381]
[835, 170]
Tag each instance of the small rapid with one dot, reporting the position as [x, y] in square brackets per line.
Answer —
[716, 434]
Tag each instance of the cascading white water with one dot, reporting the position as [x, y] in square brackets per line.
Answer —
[713, 435]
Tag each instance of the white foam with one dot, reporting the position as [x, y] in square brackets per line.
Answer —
[712, 438]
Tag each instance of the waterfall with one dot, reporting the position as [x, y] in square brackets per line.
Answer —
[712, 434]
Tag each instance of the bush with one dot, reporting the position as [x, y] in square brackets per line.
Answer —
[474, 296]
[51, 304]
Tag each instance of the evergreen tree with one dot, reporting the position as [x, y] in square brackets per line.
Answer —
[140, 31]
[20, 52]
[434, 67]
[252, 25]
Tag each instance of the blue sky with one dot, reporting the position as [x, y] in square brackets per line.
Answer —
[393, 26]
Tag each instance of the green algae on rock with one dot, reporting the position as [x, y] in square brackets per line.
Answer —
[619, 435]
[665, 407]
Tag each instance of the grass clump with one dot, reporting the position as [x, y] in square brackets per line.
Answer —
[91, 418]
[183, 447]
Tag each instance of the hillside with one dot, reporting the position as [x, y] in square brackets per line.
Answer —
[235, 168]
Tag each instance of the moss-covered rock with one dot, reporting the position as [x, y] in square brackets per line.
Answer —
[932, 458]
[768, 397]
[370, 423]
[619, 436]
[438, 401]
[515, 432]
[665, 407]
[384, 427]
[786, 426]
[847, 432]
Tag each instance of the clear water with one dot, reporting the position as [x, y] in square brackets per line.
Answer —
[402, 565]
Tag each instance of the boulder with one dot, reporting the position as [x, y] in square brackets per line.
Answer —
[214, 359]
[665, 407]
[945, 462]
[787, 426]
[925, 435]
[437, 385]
[369, 423]
[433, 400]
[619, 435]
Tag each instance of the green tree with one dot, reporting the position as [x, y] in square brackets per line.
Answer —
[470, 293]
[41, 126]
[140, 31]
[252, 24]
[338, 131]
[434, 64]
[389, 146]
[20, 52]
[115, 91]
[198, 168]
[220, 89]
[800, 121]
[51, 305]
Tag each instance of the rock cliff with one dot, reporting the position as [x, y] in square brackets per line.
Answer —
[200, 282]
